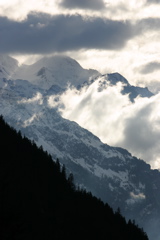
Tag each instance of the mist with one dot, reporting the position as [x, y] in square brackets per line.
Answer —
[115, 119]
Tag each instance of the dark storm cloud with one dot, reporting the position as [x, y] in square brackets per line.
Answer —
[43, 33]
[150, 67]
[152, 1]
[83, 4]
[151, 24]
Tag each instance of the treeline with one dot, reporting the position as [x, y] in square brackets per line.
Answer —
[38, 201]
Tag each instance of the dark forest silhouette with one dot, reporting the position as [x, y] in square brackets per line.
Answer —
[38, 201]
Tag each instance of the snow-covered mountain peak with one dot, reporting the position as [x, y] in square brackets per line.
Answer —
[110, 173]
[114, 78]
[56, 70]
[57, 62]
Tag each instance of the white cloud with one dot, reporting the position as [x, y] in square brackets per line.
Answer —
[135, 198]
[138, 196]
[115, 120]
[115, 9]
[35, 99]
[127, 61]
[30, 120]
[18, 9]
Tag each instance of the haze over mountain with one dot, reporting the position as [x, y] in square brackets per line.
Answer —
[111, 173]
[8, 66]
[57, 70]
[92, 103]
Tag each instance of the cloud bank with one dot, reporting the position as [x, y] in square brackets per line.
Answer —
[83, 4]
[115, 120]
[43, 33]
[153, 1]
[150, 67]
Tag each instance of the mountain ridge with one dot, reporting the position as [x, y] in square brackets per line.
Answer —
[58, 70]
[38, 201]
[61, 71]
[112, 174]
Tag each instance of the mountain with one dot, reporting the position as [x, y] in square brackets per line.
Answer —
[38, 201]
[113, 79]
[110, 173]
[8, 66]
[57, 70]
[133, 91]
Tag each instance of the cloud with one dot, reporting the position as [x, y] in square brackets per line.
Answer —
[148, 25]
[150, 67]
[33, 107]
[138, 196]
[43, 33]
[135, 198]
[142, 130]
[35, 99]
[115, 120]
[18, 9]
[152, 1]
[83, 4]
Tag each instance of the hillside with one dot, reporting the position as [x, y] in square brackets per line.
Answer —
[39, 202]
[110, 173]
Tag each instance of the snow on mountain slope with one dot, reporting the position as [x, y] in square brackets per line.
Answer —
[108, 172]
[133, 91]
[57, 70]
[112, 79]
[8, 66]
[61, 71]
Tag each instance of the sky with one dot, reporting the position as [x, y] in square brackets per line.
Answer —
[111, 36]
[107, 35]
